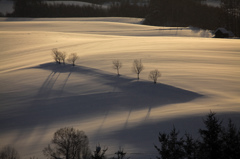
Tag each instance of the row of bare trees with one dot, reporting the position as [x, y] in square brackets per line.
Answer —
[137, 68]
[8, 152]
[61, 57]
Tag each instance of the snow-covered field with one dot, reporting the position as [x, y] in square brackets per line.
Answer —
[37, 97]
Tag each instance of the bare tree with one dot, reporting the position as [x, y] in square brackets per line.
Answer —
[99, 153]
[68, 143]
[56, 55]
[72, 58]
[62, 56]
[137, 67]
[153, 75]
[117, 64]
[8, 152]
[121, 154]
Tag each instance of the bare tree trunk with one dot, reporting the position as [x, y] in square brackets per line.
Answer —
[118, 72]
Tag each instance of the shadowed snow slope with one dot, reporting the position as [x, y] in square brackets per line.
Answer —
[37, 96]
[122, 94]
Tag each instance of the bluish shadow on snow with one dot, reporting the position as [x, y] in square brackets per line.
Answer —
[133, 95]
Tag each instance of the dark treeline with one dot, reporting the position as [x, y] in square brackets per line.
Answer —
[38, 8]
[176, 13]
[194, 13]
[127, 9]
[231, 16]
[183, 13]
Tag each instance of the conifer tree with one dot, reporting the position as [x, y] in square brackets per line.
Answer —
[212, 143]
[171, 145]
[231, 137]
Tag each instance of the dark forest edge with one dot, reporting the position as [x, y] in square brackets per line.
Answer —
[182, 13]
[173, 13]
[38, 8]
[215, 141]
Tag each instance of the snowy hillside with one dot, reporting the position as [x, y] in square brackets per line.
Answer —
[37, 96]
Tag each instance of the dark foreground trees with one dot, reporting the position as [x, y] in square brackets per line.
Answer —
[9, 152]
[215, 142]
[99, 153]
[68, 143]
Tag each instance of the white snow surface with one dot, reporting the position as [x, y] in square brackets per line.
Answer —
[199, 74]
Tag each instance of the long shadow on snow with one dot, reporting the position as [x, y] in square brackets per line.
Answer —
[133, 95]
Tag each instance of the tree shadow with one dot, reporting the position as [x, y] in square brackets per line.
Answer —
[130, 95]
